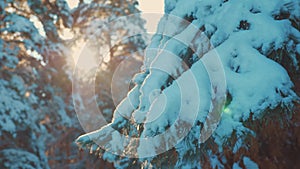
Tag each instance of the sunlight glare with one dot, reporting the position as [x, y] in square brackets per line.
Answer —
[227, 110]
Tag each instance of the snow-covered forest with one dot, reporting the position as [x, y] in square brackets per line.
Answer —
[216, 86]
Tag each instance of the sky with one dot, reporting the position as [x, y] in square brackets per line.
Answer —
[152, 11]
[144, 5]
[151, 6]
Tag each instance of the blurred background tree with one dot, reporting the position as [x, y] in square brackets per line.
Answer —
[109, 36]
[38, 122]
[35, 98]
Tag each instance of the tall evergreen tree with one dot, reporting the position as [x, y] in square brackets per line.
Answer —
[38, 120]
[258, 45]
[113, 32]
[35, 88]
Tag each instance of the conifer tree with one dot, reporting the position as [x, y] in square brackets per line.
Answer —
[258, 45]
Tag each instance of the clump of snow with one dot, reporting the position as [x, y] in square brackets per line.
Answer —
[236, 166]
[249, 164]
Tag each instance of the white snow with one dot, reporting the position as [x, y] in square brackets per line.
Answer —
[249, 164]
[236, 166]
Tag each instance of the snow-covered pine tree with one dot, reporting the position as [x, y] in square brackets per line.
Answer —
[35, 102]
[112, 31]
[254, 40]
